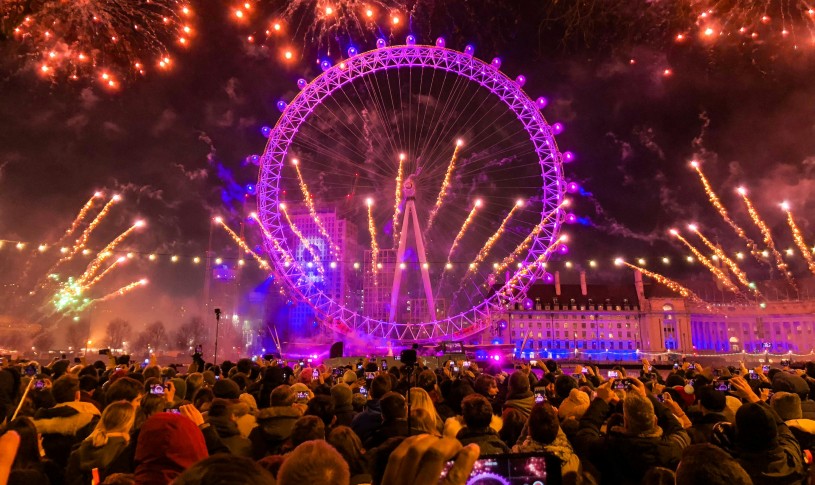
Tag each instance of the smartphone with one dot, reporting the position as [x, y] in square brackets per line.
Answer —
[370, 375]
[692, 366]
[613, 374]
[363, 390]
[622, 384]
[676, 365]
[30, 371]
[585, 370]
[785, 362]
[540, 394]
[661, 397]
[383, 364]
[198, 349]
[157, 389]
[512, 468]
[309, 361]
[753, 375]
[722, 386]
[765, 368]
[172, 411]
[218, 378]
[359, 366]
[77, 360]
[716, 373]
[315, 374]
[302, 395]
[533, 362]
[301, 363]
[466, 364]
[39, 384]
[143, 365]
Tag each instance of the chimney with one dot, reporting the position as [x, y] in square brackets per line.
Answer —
[557, 283]
[583, 289]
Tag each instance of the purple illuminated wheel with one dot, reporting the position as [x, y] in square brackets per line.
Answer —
[400, 138]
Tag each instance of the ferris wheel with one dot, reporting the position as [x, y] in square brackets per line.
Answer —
[410, 191]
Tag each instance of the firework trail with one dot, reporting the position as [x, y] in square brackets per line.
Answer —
[528, 240]
[464, 227]
[768, 237]
[482, 255]
[104, 273]
[115, 294]
[284, 254]
[398, 200]
[717, 203]
[717, 272]
[97, 38]
[79, 218]
[309, 200]
[665, 281]
[740, 275]
[533, 266]
[105, 253]
[240, 242]
[372, 230]
[445, 185]
[83, 238]
[309, 247]
[799, 238]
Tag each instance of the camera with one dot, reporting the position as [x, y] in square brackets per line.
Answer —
[39, 384]
[722, 386]
[157, 389]
[363, 390]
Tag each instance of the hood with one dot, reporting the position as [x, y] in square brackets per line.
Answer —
[168, 445]
[225, 427]
[805, 425]
[523, 404]
[277, 422]
[560, 447]
[66, 418]
[91, 457]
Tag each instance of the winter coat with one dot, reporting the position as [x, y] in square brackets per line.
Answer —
[231, 437]
[622, 458]
[522, 403]
[273, 430]
[560, 447]
[781, 465]
[345, 415]
[387, 430]
[702, 428]
[366, 422]
[804, 432]
[64, 425]
[87, 457]
[487, 440]
[168, 445]
[808, 408]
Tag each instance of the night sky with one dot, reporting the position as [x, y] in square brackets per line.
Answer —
[174, 144]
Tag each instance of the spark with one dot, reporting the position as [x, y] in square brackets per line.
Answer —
[469, 220]
[79, 217]
[240, 242]
[717, 203]
[740, 275]
[104, 273]
[372, 231]
[80, 243]
[281, 252]
[105, 253]
[665, 281]
[445, 185]
[397, 205]
[524, 245]
[799, 238]
[482, 255]
[717, 272]
[540, 262]
[306, 244]
[120, 292]
[309, 200]
[768, 237]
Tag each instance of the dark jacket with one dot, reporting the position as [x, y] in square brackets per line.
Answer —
[366, 422]
[487, 439]
[273, 430]
[782, 464]
[522, 403]
[387, 430]
[622, 458]
[702, 428]
[230, 436]
[105, 458]
[345, 415]
[63, 426]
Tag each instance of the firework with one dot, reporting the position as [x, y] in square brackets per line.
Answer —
[717, 203]
[799, 238]
[482, 255]
[740, 275]
[69, 297]
[445, 185]
[467, 222]
[665, 281]
[105, 253]
[240, 242]
[79, 217]
[306, 244]
[98, 39]
[717, 272]
[309, 200]
[120, 292]
[768, 237]
[534, 265]
[104, 273]
[397, 205]
[284, 254]
[524, 245]
[372, 230]
[322, 22]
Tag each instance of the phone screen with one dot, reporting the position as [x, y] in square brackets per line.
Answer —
[39, 384]
[363, 391]
[765, 368]
[613, 374]
[384, 364]
[722, 386]
[622, 384]
[512, 469]
[157, 389]
[302, 395]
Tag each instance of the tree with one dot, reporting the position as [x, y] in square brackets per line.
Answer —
[77, 335]
[154, 337]
[193, 332]
[118, 331]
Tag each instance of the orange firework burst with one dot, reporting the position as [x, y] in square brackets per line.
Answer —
[240, 242]
[309, 200]
[463, 230]
[768, 237]
[105, 253]
[528, 240]
[120, 292]
[799, 238]
[740, 275]
[665, 281]
[482, 255]
[79, 217]
[445, 185]
[306, 244]
[533, 266]
[717, 272]
[281, 253]
[717, 203]
[372, 231]
[398, 200]
[104, 273]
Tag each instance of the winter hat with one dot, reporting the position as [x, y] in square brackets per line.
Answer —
[209, 377]
[575, 405]
[786, 382]
[755, 428]
[687, 397]
[787, 405]
[168, 445]
[564, 385]
[349, 377]
[342, 395]
[732, 405]
[518, 383]
[226, 389]
[180, 389]
[300, 387]
[639, 414]
[711, 399]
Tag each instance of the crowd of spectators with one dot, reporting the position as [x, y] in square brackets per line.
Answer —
[265, 422]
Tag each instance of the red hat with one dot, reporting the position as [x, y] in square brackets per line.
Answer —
[686, 396]
[168, 444]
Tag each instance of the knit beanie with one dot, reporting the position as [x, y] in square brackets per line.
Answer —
[756, 429]
[787, 405]
[341, 394]
[639, 414]
[575, 405]
[518, 383]
[349, 377]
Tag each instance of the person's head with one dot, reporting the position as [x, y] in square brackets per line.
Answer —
[203, 399]
[711, 400]
[674, 380]
[88, 382]
[393, 406]
[322, 406]
[151, 371]
[65, 389]
[426, 380]
[519, 383]
[378, 458]
[787, 405]
[638, 415]
[244, 365]
[420, 399]
[28, 453]
[514, 422]
[307, 428]
[486, 385]
[314, 462]
[168, 444]
[710, 465]
[380, 386]
[125, 389]
[341, 395]
[151, 404]
[225, 468]
[194, 382]
[118, 418]
[348, 444]
[543, 423]
[564, 385]
[574, 405]
[755, 428]
[476, 411]
[458, 391]
[551, 366]
[226, 389]
[786, 382]
[358, 402]
[283, 396]
[422, 422]
[658, 475]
